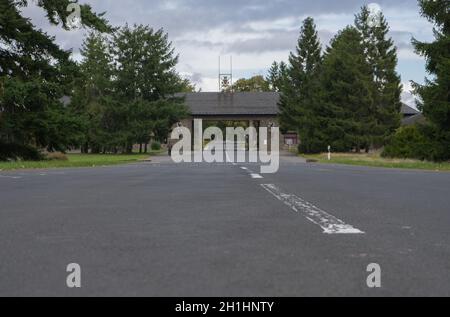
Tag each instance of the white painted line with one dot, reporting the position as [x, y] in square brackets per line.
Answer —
[13, 177]
[256, 176]
[330, 224]
[244, 168]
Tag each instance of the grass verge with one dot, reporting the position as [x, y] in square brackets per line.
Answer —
[76, 160]
[375, 160]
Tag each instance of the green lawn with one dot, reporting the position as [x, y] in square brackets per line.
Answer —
[77, 160]
[375, 160]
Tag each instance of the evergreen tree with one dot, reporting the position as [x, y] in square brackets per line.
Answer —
[381, 54]
[34, 74]
[277, 76]
[93, 85]
[347, 83]
[144, 77]
[300, 97]
[435, 93]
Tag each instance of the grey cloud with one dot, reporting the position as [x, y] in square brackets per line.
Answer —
[178, 17]
[183, 18]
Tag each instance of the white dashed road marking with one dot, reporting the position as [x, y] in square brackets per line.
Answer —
[252, 175]
[329, 223]
[12, 177]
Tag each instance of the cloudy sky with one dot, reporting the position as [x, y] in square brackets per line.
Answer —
[254, 32]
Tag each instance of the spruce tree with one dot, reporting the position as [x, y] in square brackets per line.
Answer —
[435, 94]
[145, 83]
[93, 85]
[348, 105]
[273, 76]
[381, 54]
[300, 98]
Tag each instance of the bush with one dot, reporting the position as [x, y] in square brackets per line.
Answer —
[57, 156]
[14, 152]
[410, 142]
[156, 146]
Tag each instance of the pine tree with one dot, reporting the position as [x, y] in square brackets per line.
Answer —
[381, 54]
[300, 97]
[347, 82]
[435, 94]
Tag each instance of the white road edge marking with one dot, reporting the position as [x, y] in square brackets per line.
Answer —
[329, 223]
[244, 168]
[256, 176]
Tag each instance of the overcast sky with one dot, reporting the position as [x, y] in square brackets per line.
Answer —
[254, 32]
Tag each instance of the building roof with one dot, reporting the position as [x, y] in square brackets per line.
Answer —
[244, 103]
[415, 119]
[238, 103]
[408, 111]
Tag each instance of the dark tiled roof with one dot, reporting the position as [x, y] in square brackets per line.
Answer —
[239, 103]
[416, 119]
[243, 103]
[408, 111]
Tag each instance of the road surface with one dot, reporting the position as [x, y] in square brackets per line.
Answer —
[164, 229]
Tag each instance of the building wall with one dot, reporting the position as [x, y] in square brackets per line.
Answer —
[264, 121]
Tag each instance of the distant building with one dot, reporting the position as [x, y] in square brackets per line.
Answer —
[258, 109]
[408, 111]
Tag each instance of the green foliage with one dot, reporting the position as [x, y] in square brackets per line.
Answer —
[349, 97]
[156, 146]
[277, 74]
[301, 93]
[145, 81]
[34, 74]
[14, 152]
[125, 95]
[435, 93]
[409, 142]
[348, 102]
[254, 84]
[381, 54]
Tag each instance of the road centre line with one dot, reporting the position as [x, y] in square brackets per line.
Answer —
[329, 223]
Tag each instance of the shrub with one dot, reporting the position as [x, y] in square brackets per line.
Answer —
[410, 142]
[57, 156]
[14, 152]
[156, 146]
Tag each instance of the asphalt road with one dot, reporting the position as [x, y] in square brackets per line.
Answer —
[164, 229]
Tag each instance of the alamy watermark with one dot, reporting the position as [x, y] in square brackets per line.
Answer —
[73, 280]
[73, 20]
[232, 149]
[374, 278]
